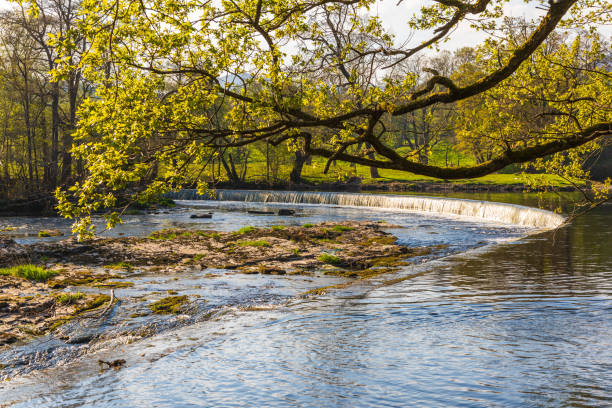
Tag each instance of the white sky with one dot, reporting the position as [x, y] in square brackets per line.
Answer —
[395, 19]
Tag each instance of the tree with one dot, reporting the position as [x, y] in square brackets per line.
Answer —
[324, 72]
[42, 109]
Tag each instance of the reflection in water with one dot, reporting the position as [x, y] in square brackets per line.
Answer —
[526, 323]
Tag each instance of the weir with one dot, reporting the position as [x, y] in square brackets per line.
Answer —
[485, 210]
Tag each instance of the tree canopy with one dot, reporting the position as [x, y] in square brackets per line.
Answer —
[177, 82]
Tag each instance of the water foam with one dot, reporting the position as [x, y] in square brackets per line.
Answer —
[485, 210]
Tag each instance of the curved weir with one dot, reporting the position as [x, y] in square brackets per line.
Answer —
[486, 210]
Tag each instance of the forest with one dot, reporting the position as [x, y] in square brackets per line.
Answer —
[147, 101]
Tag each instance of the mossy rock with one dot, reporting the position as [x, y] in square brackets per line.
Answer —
[169, 305]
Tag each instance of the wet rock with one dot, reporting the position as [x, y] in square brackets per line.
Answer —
[260, 212]
[80, 338]
[116, 364]
[206, 215]
[7, 338]
[50, 233]
[285, 211]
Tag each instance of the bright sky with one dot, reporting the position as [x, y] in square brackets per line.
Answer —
[395, 19]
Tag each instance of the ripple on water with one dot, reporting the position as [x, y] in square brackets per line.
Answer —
[526, 324]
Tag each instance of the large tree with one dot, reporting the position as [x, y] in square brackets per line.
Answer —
[178, 80]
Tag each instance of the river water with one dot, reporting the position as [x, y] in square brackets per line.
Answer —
[500, 318]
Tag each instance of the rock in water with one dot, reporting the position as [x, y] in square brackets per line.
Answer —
[207, 215]
[286, 211]
[116, 364]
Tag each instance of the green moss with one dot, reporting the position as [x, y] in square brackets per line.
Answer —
[114, 284]
[169, 305]
[245, 230]
[390, 261]
[307, 225]
[329, 259]
[323, 290]
[278, 227]
[28, 271]
[384, 240]
[259, 243]
[342, 228]
[120, 266]
[68, 298]
[93, 304]
[72, 282]
[198, 257]
[49, 233]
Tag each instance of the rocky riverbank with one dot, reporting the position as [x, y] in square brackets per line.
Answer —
[48, 284]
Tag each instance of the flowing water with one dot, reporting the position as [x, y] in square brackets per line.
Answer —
[501, 317]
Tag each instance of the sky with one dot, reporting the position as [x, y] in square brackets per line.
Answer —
[395, 19]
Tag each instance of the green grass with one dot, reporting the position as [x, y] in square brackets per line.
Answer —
[308, 225]
[68, 298]
[342, 171]
[329, 259]
[245, 230]
[28, 271]
[260, 243]
[278, 227]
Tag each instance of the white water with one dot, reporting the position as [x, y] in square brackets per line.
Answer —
[485, 210]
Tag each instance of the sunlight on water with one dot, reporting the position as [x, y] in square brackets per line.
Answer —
[525, 323]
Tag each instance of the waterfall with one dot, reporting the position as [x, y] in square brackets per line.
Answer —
[486, 210]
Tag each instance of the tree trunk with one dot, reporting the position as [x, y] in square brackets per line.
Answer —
[296, 172]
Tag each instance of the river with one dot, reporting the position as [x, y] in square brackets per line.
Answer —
[503, 317]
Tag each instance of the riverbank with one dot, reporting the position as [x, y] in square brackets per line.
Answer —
[51, 283]
[360, 185]
[44, 205]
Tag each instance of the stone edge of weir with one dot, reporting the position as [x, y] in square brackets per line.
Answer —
[485, 210]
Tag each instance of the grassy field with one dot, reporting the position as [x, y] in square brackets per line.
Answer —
[442, 155]
[343, 171]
